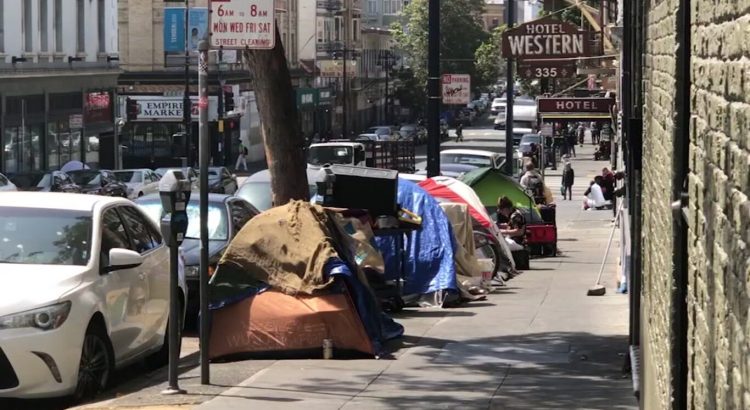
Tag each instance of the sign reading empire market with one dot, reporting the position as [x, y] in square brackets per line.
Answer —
[545, 38]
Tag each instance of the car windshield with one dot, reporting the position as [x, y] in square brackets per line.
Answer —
[218, 228]
[469, 159]
[188, 172]
[323, 154]
[214, 172]
[525, 102]
[44, 236]
[530, 139]
[129, 176]
[377, 130]
[32, 180]
[408, 128]
[86, 178]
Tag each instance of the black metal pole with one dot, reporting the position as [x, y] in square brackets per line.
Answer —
[511, 17]
[220, 106]
[344, 125]
[204, 155]
[186, 117]
[387, 98]
[433, 90]
[174, 321]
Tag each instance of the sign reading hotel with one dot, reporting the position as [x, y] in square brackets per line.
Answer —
[456, 89]
[575, 105]
[544, 39]
[242, 24]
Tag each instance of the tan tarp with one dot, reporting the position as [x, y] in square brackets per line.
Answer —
[273, 322]
[286, 247]
[468, 270]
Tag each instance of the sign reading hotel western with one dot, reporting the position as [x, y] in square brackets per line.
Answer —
[569, 104]
[545, 38]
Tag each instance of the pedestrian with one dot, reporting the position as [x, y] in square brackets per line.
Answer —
[594, 133]
[459, 132]
[241, 158]
[572, 144]
[608, 184]
[581, 133]
[568, 177]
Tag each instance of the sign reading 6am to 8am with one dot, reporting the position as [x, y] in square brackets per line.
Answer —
[242, 24]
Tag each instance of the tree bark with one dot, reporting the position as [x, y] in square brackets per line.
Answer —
[277, 106]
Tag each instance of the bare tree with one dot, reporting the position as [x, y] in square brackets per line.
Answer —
[284, 145]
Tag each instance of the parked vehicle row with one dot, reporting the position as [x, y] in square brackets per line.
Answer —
[126, 183]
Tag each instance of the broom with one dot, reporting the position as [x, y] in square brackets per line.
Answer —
[598, 289]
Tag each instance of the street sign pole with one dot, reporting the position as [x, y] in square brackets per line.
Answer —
[203, 177]
[433, 90]
[186, 110]
[509, 97]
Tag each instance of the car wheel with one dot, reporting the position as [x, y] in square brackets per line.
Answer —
[96, 364]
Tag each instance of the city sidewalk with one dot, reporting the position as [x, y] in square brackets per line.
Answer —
[539, 343]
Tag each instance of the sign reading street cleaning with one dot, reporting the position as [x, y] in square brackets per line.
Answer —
[242, 24]
[456, 89]
[545, 38]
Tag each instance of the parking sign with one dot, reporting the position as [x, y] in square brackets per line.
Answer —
[456, 89]
[242, 24]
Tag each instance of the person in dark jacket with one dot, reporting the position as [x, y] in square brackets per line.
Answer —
[568, 177]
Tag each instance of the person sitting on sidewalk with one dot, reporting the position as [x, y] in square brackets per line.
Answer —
[514, 226]
[594, 196]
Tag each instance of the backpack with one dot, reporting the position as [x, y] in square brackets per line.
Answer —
[244, 150]
[536, 186]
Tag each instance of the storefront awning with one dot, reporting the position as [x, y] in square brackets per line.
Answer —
[576, 116]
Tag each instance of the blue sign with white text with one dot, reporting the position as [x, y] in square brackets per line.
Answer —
[174, 28]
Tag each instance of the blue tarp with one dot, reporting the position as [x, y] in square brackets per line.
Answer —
[379, 326]
[429, 265]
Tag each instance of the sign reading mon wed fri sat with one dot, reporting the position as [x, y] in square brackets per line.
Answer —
[242, 24]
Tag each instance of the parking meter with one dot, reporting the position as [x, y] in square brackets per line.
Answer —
[174, 191]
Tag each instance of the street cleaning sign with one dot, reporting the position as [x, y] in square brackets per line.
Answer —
[545, 38]
[456, 89]
[242, 24]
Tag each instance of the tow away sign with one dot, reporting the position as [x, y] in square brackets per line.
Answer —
[242, 24]
[456, 89]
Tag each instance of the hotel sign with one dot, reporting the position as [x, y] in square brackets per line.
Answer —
[575, 105]
[545, 38]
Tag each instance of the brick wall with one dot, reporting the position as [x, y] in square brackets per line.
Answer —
[659, 107]
[719, 185]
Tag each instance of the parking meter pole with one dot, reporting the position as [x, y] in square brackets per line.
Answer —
[204, 157]
[174, 191]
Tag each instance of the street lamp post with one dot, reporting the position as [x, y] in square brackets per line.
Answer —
[186, 109]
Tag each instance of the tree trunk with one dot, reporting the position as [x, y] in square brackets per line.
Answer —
[284, 145]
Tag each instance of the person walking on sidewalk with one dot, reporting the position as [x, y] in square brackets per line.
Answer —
[459, 132]
[241, 158]
[568, 176]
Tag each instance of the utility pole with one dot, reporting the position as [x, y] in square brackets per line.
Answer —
[344, 96]
[204, 155]
[387, 97]
[186, 109]
[509, 96]
[433, 90]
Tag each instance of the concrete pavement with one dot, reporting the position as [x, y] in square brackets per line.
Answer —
[539, 343]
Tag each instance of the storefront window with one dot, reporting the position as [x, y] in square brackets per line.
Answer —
[22, 149]
[75, 140]
[92, 151]
[53, 147]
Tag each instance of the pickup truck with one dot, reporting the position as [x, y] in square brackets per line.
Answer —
[398, 155]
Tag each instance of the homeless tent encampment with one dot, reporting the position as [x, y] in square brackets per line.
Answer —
[428, 269]
[287, 282]
[491, 184]
[447, 189]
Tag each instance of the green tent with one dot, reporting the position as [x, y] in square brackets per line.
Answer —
[490, 184]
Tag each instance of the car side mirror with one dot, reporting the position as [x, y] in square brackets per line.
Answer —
[120, 259]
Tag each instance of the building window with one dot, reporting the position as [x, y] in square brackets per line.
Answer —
[392, 6]
[43, 25]
[355, 30]
[100, 25]
[58, 26]
[28, 33]
[337, 29]
[81, 23]
[372, 7]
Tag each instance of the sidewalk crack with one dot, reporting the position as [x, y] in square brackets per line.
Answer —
[494, 393]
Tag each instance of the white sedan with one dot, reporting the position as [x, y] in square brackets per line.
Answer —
[85, 291]
[140, 182]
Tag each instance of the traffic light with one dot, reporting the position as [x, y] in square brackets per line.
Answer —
[228, 101]
[131, 109]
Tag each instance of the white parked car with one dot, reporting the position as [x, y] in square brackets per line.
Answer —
[6, 185]
[85, 290]
[140, 182]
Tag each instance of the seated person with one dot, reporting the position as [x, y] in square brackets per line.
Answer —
[595, 196]
[514, 231]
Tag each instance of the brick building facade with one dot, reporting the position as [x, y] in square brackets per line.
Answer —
[714, 39]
